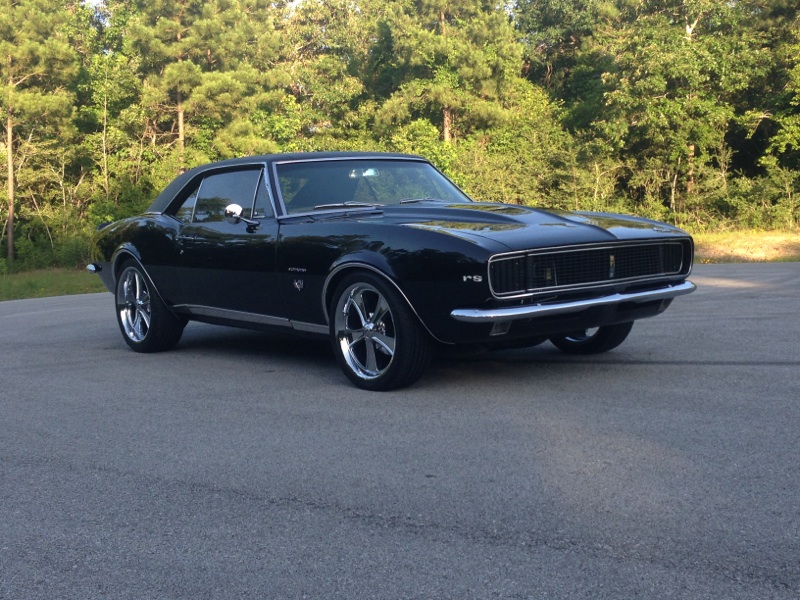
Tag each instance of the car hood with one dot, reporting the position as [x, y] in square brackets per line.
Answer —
[522, 227]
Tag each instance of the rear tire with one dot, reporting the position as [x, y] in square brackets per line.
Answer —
[593, 341]
[147, 325]
[378, 341]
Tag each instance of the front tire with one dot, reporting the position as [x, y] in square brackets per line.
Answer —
[378, 341]
[146, 323]
[593, 341]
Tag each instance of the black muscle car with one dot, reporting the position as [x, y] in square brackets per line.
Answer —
[385, 256]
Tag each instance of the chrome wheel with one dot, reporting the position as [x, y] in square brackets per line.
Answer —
[593, 340]
[581, 336]
[133, 304]
[365, 330]
[147, 324]
[378, 341]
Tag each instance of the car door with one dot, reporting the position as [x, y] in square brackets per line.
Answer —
[227, 266]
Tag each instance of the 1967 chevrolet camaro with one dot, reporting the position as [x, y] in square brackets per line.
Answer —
[385, 256]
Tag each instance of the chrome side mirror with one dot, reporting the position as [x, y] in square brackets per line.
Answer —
[233, 213]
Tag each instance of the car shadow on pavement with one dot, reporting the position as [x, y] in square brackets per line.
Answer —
[233, 341]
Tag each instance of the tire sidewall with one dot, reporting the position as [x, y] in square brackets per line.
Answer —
[128, 267]
[606, 338]
[164, 330]
[412, 347]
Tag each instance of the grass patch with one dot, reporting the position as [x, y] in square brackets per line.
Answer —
[747, 246]
[48, 282]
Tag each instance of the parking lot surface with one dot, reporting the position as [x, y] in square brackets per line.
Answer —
[243, 465]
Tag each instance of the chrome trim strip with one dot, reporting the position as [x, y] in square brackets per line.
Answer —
[248, 317]
[607, 245]
[234, 315]
[323, 212]
[500, 315]
[309, 327]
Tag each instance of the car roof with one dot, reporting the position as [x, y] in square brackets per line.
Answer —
[164, 199]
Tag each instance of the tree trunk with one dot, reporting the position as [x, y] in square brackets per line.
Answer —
[447, 124]
[181, 134]
[181, 130]
[106, 175]
[447, 113]
[10, 165]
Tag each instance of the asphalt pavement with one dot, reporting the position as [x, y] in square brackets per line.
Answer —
[244, 465]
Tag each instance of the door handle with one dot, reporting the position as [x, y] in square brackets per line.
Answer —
[184, 241]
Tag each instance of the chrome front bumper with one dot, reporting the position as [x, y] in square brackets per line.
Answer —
[514, 313]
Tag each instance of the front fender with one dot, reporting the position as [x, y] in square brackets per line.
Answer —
[432, 285]
[362, 259]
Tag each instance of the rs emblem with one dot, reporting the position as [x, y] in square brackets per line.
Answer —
[473, 278]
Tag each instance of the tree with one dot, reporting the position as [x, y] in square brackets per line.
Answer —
[36, 63]
[780, 188]
[450, 62]
[674, 71]
[528, 159]
[555, 32]
[324, 58]
[201, 59]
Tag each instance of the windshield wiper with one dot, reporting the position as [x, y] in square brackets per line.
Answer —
[345, 205]
[428, 199]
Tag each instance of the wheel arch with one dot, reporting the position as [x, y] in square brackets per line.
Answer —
[344, 269]
[129, 252]
[124, 253]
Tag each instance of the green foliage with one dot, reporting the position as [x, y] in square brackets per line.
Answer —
[39, 59]
[529, 159]
[683, 110]
[422, 137]
[452, 64]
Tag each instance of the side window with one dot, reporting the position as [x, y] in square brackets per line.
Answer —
[221, 189]
[184, 213]
[263, 207]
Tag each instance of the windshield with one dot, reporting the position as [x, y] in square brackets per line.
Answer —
[329, 184]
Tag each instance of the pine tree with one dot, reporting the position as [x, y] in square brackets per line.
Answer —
[36, 63]
[448, 61]
[205, 60]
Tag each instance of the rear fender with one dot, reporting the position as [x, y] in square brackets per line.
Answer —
[124, 252]
[129, 252]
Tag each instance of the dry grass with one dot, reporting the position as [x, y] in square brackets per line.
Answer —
[747, 246]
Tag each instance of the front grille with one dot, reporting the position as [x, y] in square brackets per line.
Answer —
[539, 271]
